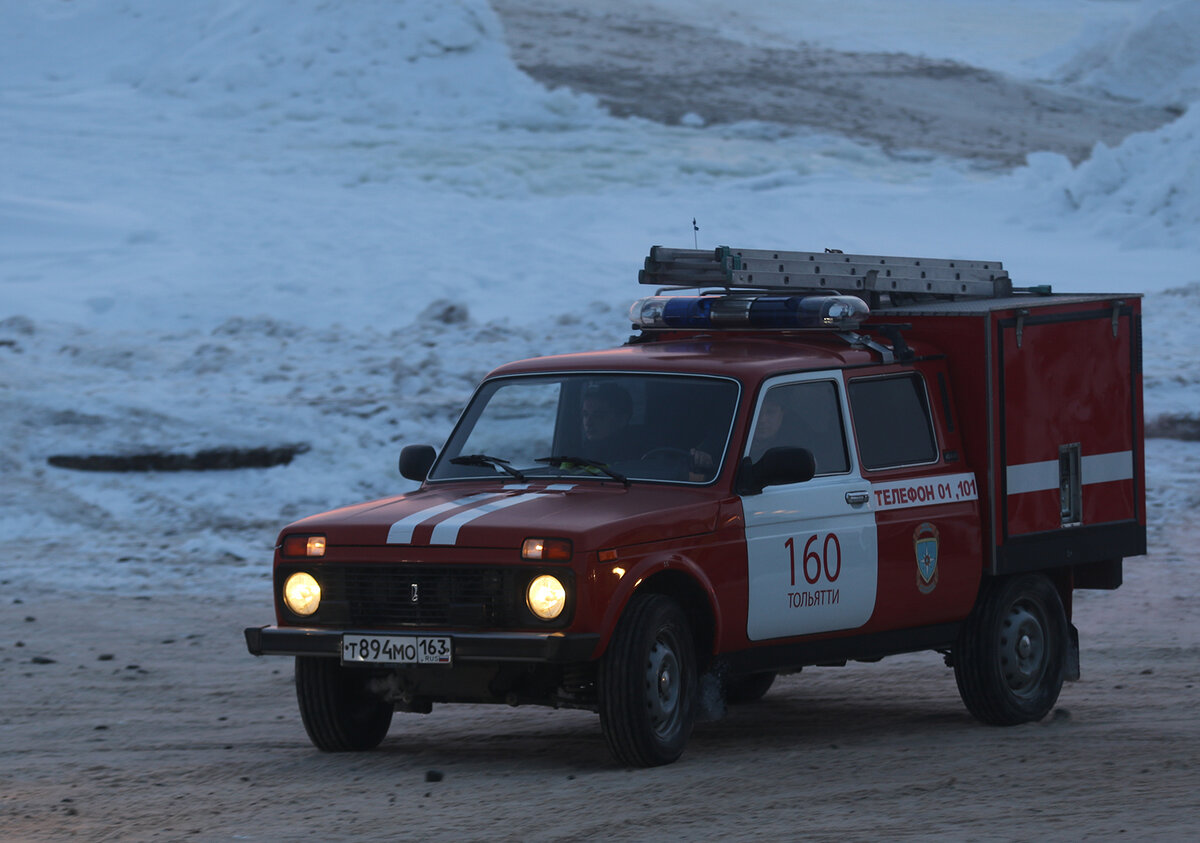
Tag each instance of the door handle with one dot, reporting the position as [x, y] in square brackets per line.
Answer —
[856, 498]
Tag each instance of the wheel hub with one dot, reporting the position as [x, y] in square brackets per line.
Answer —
[1023, 649]
[662, 687]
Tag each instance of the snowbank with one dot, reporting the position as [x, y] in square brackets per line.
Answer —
[1154, 58]
[229, 224]
[376, 63]
[1145, 192]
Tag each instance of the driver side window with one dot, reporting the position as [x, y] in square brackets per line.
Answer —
[803, 415]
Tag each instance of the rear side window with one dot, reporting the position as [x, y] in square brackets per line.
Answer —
[891, 421]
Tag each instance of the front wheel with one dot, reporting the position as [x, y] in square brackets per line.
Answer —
[647, 683]
[1010, 659]
[339, 711]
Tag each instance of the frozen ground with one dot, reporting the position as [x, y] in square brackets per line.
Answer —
[269, 224]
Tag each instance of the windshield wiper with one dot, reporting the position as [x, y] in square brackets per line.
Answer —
[484, 459]
[584, 462]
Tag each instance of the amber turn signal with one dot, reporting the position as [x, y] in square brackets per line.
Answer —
[553, 550]
[304, 546]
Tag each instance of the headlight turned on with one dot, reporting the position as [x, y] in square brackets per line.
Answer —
[546, 597]
[302, 593]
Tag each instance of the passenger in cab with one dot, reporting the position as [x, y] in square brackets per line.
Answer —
[771, 431]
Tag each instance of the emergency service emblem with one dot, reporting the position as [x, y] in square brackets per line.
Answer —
[925, 543]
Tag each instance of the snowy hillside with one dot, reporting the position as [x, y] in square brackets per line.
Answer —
[315, 226]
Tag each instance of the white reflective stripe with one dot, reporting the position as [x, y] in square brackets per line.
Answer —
[1105, 468]
[1032, 477]
[1043, 476]
[402, 531]
[560, 487]
[446, 532]
[924, 491]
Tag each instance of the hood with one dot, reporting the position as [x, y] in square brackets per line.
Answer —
[592, 514]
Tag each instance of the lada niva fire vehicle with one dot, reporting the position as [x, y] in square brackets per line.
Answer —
[799, 459]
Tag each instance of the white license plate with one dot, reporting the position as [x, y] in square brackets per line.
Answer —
[395, 649]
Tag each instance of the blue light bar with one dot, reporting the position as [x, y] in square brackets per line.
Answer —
[688, 311]
[830, 312]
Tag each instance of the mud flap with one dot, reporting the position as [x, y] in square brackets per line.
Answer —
[1071, 666]
[711, 705]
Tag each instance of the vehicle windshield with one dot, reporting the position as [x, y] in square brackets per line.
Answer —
[625, 427]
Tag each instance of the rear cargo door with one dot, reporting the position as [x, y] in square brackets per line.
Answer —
[1069, 413]
[811, 546]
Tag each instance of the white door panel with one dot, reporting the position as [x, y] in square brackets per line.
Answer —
[812, 554]
[812, 563]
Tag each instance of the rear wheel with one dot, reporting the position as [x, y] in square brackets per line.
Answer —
[339, 712]
[647, 683]
[1011, 654]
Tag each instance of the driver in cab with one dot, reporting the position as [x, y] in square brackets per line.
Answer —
[605, 415]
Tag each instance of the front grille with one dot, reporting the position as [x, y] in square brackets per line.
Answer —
[380, 596]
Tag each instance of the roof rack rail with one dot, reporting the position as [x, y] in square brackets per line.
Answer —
[868, 276]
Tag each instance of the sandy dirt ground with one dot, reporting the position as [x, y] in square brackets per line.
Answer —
[146, 719]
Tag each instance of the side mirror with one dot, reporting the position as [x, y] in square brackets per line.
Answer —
[777, 467]
[416, 460]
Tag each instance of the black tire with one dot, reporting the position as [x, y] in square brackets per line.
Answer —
[647, 683]
[339, 712]
[748, 689]
[1010, 658]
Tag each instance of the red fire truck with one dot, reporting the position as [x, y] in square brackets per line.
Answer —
[800, 458]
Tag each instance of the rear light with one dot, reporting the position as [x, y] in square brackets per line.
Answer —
[547, 550]
[306, 546]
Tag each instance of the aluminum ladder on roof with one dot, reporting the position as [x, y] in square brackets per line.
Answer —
[866, 275]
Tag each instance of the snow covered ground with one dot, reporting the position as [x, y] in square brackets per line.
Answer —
[245, 224]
